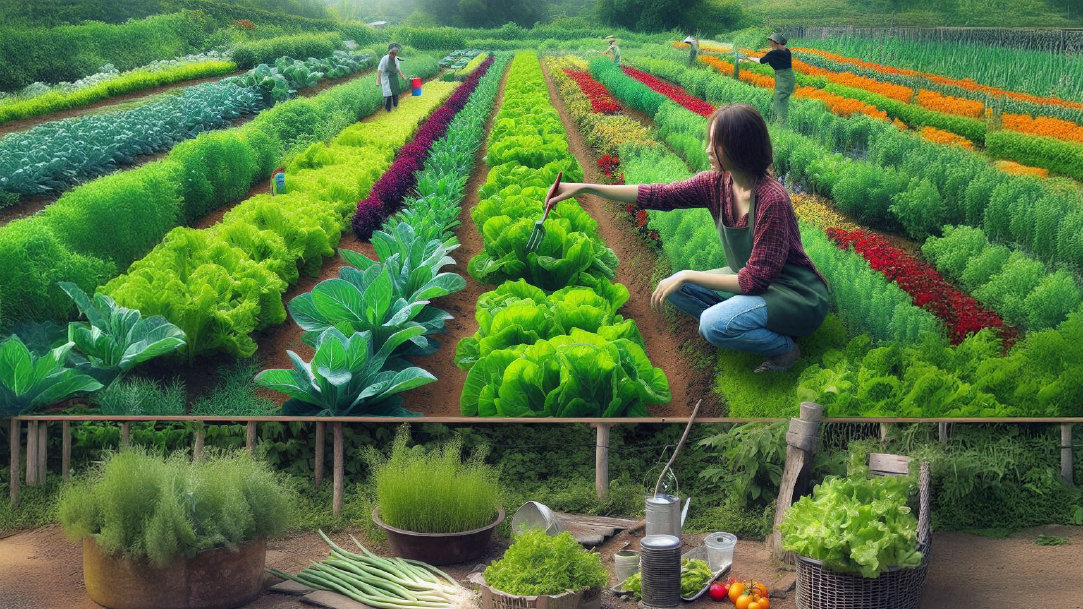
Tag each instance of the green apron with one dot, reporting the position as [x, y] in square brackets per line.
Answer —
[797, 299]
[393, 81]
[784, 86]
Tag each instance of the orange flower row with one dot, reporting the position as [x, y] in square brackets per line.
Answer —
[843, 106]
[947, 104]
[945, 137]
[890, 90]
[705, 47]
[1043, 125]
[965, 83]
[1016, 168]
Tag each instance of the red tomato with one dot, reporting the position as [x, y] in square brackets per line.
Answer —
[718, 591]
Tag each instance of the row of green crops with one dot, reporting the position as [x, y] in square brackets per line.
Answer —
[135, 209]
[905, 179]
[251, 54]
[52, 156]
[1035, 72]
[222, 283]
[1007, 104]
[536, 353]
[387, 316]
[1059, 156]
[1041, 376]
[134, 80]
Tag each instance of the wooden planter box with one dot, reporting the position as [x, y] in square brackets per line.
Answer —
[218, 578]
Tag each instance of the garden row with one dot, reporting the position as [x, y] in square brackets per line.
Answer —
[1026, 75]
[917, 373]
[222, 283]
[550, 341]
[116, 339]
[887, 101]
[135, 209]
[364, 324]
[52, 156]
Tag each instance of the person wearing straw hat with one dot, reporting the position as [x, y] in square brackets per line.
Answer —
[386, 78]
[693, 45]
[781, 60]
[613, 49]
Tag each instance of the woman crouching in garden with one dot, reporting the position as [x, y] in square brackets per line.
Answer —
[770, 292]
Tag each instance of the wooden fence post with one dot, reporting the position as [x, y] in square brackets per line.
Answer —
[15, 444]
[320, 434]
[250, 438]
[197, 442]
[31, 453]
[942, 432]
[65, 450]
[43, 444]
[1066, 461]
[601, 461]
[125, 434]
[339, 473]
[801, 443]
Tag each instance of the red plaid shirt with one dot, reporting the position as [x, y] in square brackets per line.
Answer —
[776, 240]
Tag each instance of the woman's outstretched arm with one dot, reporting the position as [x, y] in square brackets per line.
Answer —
[625, 193]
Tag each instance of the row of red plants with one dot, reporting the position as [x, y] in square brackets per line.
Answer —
[601, 102]
[961, 313]
[610, 167]
[387, 193]
[671, 91]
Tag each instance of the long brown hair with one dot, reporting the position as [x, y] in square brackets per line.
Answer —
[741, 134]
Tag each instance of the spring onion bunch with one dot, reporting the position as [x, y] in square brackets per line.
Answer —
[383, 583]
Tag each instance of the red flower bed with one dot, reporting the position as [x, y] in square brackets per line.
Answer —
[608, 164]
[601, 102]
[962, 314]
[671, 91]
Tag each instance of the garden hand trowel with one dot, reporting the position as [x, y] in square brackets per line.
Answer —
[539, 231]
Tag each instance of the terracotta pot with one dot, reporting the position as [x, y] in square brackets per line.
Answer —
[439, 548]
[214, 579]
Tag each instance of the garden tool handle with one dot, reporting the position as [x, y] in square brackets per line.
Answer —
[549, 195]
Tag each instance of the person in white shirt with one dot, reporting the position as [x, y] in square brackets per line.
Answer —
[386, 78]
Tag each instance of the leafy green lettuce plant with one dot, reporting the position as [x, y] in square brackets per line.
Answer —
[538, 564]
[346, 377]
[855, 525]
[580, 374]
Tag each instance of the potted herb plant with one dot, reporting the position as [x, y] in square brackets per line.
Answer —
[433, 505]
[171, 534]
[539, 566]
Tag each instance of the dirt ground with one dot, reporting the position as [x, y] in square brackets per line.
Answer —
[41, 569]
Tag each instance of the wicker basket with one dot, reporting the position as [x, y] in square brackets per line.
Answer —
[819, 588]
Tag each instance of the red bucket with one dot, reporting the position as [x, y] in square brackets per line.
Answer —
[415, 83]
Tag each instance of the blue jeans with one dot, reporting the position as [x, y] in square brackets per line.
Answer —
[738, 322]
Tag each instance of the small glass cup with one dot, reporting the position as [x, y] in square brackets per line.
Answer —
[720, 550]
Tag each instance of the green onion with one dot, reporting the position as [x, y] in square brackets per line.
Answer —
[382, 583]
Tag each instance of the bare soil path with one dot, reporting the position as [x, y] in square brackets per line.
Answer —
[41, 569]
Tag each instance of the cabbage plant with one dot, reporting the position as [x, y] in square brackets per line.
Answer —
[29, 381]
[115, 339]
[347, 377]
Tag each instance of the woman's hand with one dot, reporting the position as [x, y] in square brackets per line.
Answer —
[666, 287]
[566, 190]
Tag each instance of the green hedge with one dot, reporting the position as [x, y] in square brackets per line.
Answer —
[300, 46]
[70, 52]
[443, 38]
